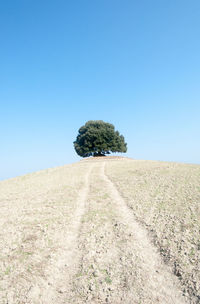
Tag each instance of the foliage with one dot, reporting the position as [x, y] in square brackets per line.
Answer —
[98, 138]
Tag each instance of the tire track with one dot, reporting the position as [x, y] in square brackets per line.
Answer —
[117, 264]
[155, 281]
[56, 282]
[104, 255]
[97, 279]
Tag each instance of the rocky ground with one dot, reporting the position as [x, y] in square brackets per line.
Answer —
[108, 230]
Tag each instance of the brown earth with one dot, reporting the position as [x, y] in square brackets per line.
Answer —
[101, 231]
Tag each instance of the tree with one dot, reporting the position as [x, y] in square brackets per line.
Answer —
[98, 138]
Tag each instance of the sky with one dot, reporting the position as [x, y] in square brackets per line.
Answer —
[135, 64]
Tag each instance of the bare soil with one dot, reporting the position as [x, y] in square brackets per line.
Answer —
[86, 233]
[165, 199]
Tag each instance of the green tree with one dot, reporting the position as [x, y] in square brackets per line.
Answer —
[98, 138]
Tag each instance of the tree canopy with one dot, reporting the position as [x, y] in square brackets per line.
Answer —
[98, 138]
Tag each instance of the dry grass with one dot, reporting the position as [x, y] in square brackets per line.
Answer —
[35, 214]
[165, 197]
[67, 236]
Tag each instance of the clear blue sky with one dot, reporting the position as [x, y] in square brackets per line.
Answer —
[135, 64]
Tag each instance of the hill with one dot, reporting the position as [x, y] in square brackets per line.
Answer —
[104, 230]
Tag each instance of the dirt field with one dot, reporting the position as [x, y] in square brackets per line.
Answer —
[106, 230]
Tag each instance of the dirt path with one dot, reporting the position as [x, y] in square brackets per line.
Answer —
[41, 248]
[101, 254]
[157, 280]
[63, 266]
[118, 264]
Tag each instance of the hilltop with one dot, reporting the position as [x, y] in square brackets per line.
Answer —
[103, 230]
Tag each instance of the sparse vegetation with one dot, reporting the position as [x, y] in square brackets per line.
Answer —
[52, 253]
[165, 198]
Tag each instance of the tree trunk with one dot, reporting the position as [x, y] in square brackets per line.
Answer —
[97, 154]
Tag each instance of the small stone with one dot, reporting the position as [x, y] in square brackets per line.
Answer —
[61, 290]
[95, 274]
[91, 287]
